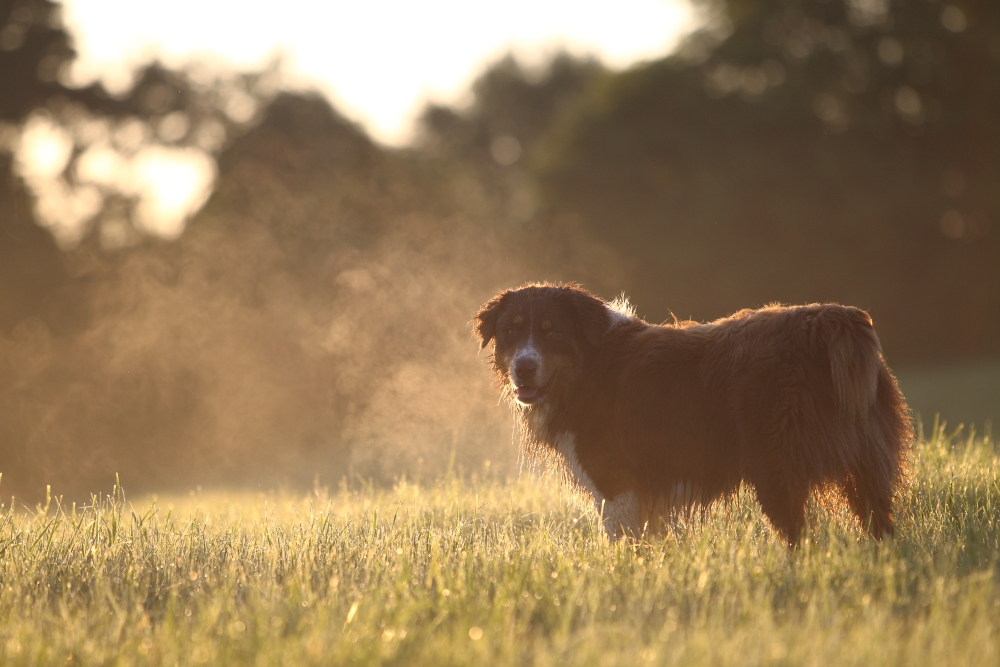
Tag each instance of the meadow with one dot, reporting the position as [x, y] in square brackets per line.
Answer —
[477, 570]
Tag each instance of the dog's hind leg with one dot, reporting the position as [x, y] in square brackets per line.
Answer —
[873, 474]
[784, 503]
[884, 438]
[870, 497]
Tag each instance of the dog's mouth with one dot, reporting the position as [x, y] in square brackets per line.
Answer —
[528, 394]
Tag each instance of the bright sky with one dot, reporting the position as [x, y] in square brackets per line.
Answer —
[379, 61]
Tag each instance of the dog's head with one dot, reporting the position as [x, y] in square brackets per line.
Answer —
[541, 335]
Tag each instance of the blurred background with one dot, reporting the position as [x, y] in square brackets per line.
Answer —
[250, 261]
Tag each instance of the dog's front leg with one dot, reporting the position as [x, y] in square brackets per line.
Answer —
[621, 516]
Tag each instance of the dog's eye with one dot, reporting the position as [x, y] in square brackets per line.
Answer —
[511, 332]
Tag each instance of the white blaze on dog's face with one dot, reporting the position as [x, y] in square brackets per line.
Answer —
[534, 344]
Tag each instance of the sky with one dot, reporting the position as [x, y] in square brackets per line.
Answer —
[379, 62]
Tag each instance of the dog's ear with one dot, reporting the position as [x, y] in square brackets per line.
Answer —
[485, 322]
[591, 315]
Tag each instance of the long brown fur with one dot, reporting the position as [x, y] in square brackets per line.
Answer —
[785, 399]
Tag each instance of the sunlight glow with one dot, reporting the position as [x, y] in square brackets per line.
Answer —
[168, 184]
[44, 151]
[379, 62]
[172, 184]
[40, 158]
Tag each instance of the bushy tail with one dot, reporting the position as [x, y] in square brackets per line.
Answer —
[855, 358]
[874, 410]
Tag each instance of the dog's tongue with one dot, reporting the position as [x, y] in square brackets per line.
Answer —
[526, 392]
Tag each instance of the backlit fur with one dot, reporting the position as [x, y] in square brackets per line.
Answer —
[653, 418]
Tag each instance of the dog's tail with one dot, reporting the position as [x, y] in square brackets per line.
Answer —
[855, 357]
[874, 413]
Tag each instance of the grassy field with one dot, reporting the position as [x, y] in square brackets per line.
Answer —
[959, 393]
[482, 572]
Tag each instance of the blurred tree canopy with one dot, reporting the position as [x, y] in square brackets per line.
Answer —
[805, 150]
[30, 264]
[189, 108]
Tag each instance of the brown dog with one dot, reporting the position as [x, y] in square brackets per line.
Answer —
[650, 419]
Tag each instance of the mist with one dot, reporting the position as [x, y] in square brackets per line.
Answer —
[309, 322]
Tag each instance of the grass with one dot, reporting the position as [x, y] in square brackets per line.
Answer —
[481, 571]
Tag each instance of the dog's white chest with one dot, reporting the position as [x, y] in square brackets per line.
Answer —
[566, 446]
[619, 515]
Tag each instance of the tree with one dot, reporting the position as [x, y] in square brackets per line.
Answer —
[800, 151]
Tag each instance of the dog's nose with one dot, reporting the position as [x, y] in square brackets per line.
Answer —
[524, 370]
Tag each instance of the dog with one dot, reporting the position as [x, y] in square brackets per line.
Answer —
[652, 419]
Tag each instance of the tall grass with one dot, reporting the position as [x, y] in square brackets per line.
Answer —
[483, 571]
